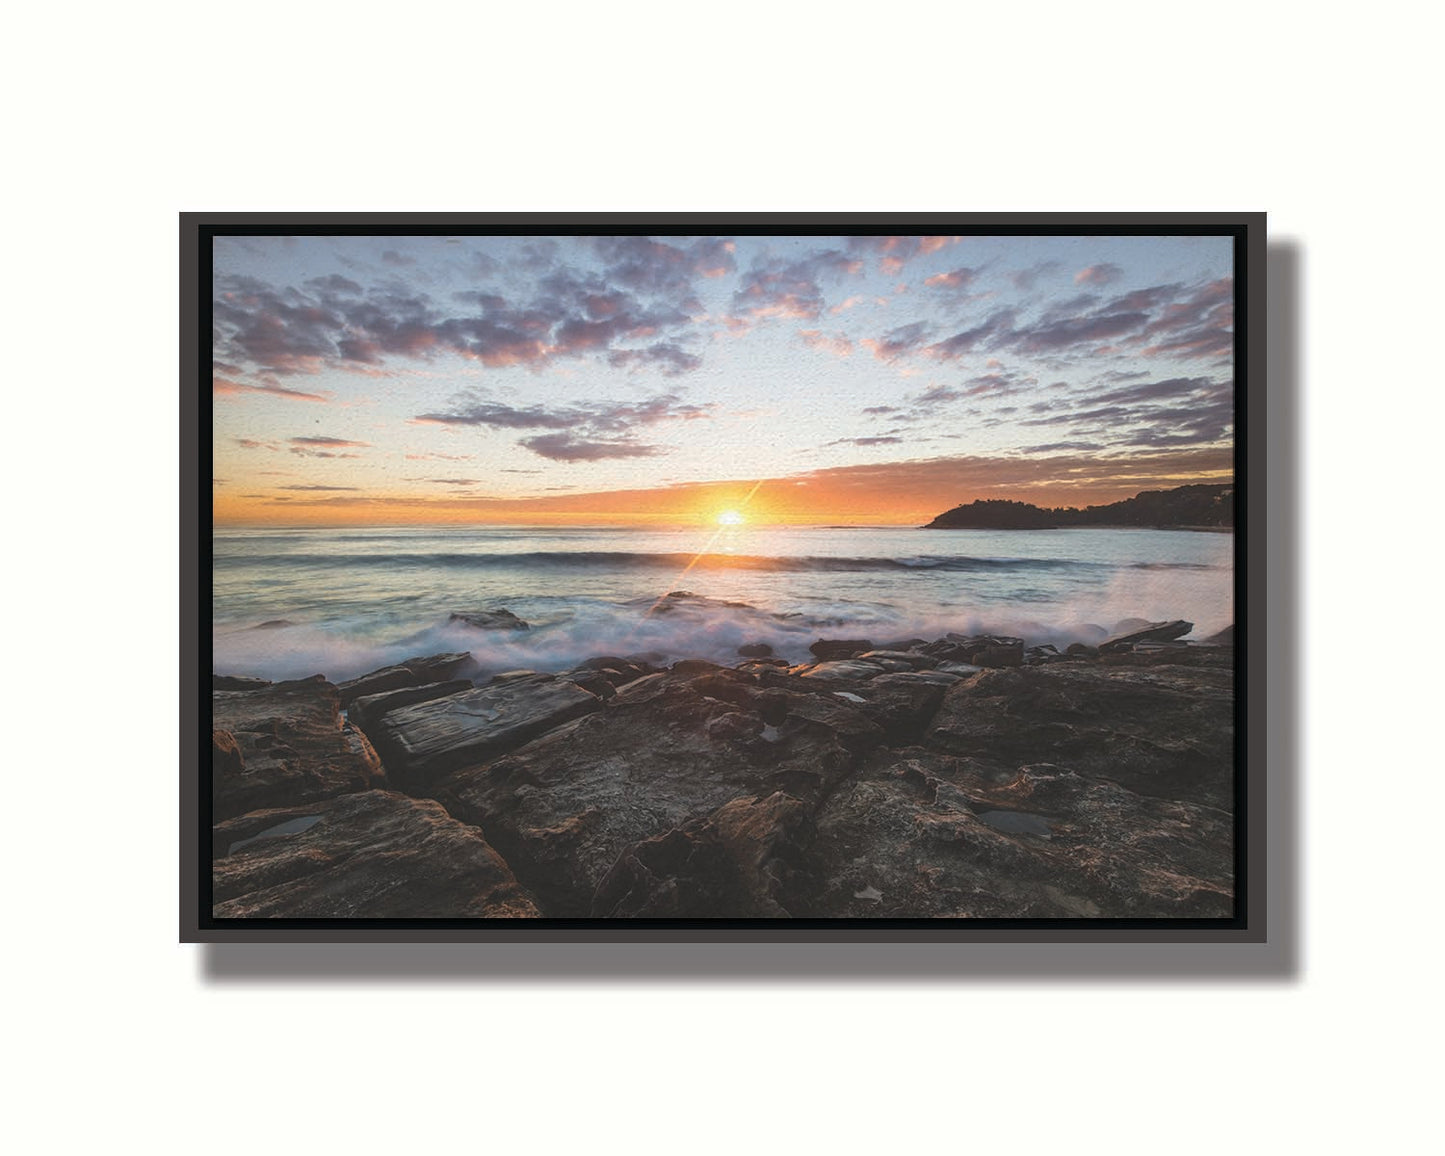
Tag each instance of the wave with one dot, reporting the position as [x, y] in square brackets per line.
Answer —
[625, 560]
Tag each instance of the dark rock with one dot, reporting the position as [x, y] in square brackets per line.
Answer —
[1164, 731]
[732, 863]
[364, 712]
[618, 671]
[564, 808]
[237, 682]
[911, 660]
[755, 650]
[1082, 650]
[491, 620]
[423, 742]
[691, 667]
[829, 649]
[371, 855]
[924, 835]
[377, 682]
[595, 682]
[1150, 631]
[1224, 637]
[440, 667]
[294, 748]
[1125, 625]
[843, 670]
[226, 758]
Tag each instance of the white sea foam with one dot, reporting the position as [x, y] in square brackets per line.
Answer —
[346, 617]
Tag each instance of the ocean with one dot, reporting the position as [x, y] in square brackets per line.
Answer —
[340, 602]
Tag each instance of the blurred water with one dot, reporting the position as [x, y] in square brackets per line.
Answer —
[355, 599]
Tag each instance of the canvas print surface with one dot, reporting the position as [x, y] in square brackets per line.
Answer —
[745, 577]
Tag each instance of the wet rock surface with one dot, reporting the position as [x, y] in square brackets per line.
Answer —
[286, 743]
[423, 741]
[373, 854]
[971, 776]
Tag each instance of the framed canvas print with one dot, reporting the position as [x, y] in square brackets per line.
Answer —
[706, 575]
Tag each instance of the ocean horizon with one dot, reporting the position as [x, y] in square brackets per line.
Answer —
[340, 601]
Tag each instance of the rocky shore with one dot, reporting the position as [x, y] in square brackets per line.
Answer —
[961, 777]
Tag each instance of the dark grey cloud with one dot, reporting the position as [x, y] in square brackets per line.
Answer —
[667, 356]
[1165, 319]
[563, 447]
[640, 309]
[1175, 412]
[1052, 336]
[988, 332]
[953, 281]
[325, 441]
[898, 342]
[783, 288]
[883, 440]
[1052, 447]
[594, 430]
[894, 252]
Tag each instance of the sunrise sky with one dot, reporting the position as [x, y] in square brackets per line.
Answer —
[590, 380]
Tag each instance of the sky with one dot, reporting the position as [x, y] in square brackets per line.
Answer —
[392, 380]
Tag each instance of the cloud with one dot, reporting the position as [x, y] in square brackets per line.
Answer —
[638, 310]
[1026, 279]
[319, 487]
[988, 332]
[224, 386]
[603, 429]
[454, 481]
[670, 358]
[1200, 323]
[894, 252]
[957, 279]
[1050, 336]
[897, 342]
[333, 442]
[1053, 447]
[434, 457]
[884, 440]
[1193, 411]
[563, 447]
[781, 288]
[1105, 274]
[253, 444]
[835, 344]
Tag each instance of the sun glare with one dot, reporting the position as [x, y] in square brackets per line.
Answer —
[730, 518]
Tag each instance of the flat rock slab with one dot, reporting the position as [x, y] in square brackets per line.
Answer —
[1148, 632]
[290, 746]
[423, 742]
[844, 670]
[375, 854]
[365, 711]
[564, 808]
[1158, 730]
[918, 834]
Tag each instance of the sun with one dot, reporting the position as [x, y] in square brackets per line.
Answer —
[730, 518]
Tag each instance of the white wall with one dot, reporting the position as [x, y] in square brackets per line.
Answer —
[128, 114]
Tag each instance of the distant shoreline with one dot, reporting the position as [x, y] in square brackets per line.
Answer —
[1076, 529]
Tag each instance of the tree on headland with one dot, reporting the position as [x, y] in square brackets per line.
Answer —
[1207, 506]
